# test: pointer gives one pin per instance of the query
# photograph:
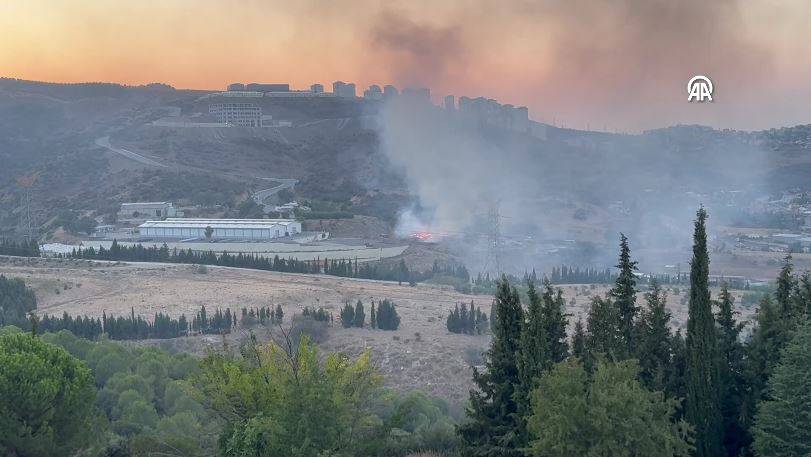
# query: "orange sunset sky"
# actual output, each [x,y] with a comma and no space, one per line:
[619,65]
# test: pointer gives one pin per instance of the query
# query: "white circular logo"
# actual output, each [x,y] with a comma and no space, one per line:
[699,89]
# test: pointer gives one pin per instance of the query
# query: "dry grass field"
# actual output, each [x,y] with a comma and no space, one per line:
[421,354]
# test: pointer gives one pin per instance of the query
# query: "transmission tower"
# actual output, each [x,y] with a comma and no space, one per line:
[26,182]
[494,242]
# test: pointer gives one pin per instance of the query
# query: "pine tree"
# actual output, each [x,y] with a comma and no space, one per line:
[703,384]
[493,426]
[732,359]
[624,295]
[783,424]
[602,335]
[534,358]
[769,336]
[554,321]
[654,340]
[786,283]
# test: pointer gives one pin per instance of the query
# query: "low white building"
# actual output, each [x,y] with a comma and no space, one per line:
[231,229]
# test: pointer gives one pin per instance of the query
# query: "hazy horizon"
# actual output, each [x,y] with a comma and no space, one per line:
[602,65]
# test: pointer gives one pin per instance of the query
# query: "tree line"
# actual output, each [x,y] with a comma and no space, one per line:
[383,317]
[335,267]
[575,275]
[624,384]
[19,248]
[470,320]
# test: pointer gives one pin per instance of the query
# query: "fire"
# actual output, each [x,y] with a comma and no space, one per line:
[423,236]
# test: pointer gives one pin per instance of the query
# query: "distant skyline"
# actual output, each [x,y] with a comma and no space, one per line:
[620,65]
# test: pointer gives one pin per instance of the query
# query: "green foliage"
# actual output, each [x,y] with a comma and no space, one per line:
[736,435]
[19,248]
[554,322]
[144,403]
[703,383]
[470,320]
[654,342]
[284,402]
[602,325]
[359,319]
[607,414]
[16,301]
[624,295]
[535,356]
[348,315]
[387,317]
[46,396]
[493,427]
[783,424]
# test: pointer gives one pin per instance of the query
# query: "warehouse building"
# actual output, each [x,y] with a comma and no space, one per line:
[229,229]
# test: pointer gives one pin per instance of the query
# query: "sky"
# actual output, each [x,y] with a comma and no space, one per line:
[615,65]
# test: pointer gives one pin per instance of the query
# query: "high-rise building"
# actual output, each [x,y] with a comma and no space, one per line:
[257,87]
[450,103]
[390,91]
[373,93]
[342,89]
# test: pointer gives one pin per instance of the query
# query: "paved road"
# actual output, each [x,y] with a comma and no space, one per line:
[105,143]
[285,183]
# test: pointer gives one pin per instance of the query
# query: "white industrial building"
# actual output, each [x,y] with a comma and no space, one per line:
[231,229]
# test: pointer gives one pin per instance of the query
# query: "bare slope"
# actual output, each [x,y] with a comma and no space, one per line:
[421,354]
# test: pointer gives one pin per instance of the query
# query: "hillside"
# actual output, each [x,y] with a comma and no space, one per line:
[79,150]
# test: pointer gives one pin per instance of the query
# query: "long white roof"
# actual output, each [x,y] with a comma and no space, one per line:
[174,222]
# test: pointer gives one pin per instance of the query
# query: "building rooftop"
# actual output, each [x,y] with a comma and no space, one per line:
[146,203]
[218,223]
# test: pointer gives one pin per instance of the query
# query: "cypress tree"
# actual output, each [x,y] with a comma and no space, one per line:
[360,315]
[624,295]
[372,315]
[703,384]
[786,283]
[736,436]
[348,315]
[534,358]
[579,340]
[493,428]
